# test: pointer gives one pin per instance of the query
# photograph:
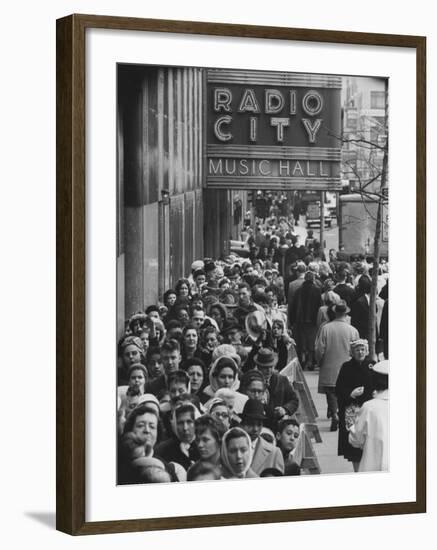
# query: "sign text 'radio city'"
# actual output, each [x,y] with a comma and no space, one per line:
[272,103]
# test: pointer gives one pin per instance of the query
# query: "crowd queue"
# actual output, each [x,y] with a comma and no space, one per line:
[200,390]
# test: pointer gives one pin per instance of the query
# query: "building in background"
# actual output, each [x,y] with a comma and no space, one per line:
[364,137]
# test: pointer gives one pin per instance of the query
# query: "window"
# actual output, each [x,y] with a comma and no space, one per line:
[377,100]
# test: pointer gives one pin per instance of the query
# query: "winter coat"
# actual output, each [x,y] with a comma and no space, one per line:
[281,394]
[306,303]
[266,456]
[352,375]
[370,433]
[333,349]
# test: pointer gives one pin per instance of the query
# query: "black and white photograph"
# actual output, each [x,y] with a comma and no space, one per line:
[252,274]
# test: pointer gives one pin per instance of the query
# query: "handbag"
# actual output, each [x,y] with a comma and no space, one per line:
[350,414]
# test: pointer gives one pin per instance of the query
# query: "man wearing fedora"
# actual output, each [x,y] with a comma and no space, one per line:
[282,399]
[332,350]
[265,454]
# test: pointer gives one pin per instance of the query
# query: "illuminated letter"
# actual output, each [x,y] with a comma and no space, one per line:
[297,166]
[248,102]
[227,171]
[279,123]
[321,169]
[217,128]
[308,169]
[243,165]
[284,165]
[274,102]
[222,100]
[292,102]
[261,171]
[253,128]
[312,127]
[215,169]
[312,103]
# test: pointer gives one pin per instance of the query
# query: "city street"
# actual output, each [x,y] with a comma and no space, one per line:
[326,451]
[330,235]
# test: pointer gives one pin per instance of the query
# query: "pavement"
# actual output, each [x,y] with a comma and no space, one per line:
[330,235]
[330,462]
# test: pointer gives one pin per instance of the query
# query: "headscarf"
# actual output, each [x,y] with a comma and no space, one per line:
[214,402]
[227,350]
[231,363]
[224,451]
[173,420]
[150,399]
[132,341]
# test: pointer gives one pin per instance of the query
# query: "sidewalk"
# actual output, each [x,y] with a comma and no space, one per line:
[330,462]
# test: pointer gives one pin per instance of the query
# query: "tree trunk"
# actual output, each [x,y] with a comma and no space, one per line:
[374,287]
[377,245]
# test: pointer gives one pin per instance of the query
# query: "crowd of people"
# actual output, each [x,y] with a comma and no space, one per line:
[200,390]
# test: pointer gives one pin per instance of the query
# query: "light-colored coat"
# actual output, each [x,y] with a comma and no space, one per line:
[333,349]
[370,433]
[266,456]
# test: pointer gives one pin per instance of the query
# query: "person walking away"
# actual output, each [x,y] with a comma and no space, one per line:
[305,307]
[332,350]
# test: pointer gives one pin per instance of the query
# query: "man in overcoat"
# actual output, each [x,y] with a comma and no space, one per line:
[332,350]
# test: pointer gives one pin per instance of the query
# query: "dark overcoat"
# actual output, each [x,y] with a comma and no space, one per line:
[352,375]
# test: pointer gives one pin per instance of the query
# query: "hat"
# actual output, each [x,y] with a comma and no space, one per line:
[197,264]
[248,377]
[230,325]
[138,366]
[255,322]
[227,297]
[381,367]
[341,307]
[218,306]
[253,409]
[266,358]
[359,342]
[149,399]
[209,266]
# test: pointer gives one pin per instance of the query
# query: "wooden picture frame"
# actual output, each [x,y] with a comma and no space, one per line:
[71,279]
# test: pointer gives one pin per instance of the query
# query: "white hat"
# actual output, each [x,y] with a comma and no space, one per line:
[381,367]
[197,264]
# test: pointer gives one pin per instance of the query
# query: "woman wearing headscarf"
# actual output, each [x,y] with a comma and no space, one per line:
[128,403]
[353,388]
[140,435]
[224,374]
[131,351]
[237,454]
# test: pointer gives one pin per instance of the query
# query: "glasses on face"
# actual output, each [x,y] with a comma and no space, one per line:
[221,414]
